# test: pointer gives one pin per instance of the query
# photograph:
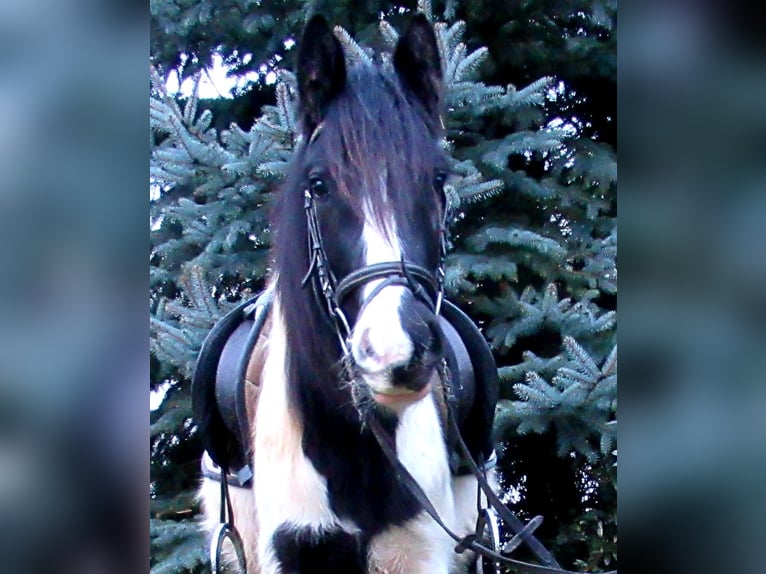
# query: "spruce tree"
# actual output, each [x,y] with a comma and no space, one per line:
[530,132]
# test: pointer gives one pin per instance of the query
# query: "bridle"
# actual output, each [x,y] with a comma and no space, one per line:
[428,287]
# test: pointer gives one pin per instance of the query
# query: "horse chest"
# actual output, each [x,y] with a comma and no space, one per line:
[325,493]
[361,484]
[418,545]
[347,486]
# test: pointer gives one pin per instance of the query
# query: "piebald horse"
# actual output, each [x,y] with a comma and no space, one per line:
[369,172]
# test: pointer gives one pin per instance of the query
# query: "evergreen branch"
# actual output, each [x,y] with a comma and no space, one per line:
[511,237]
[610,364]
[482,266]
[353,51]
[519,143]
[176,546]
[453,60]
[190,109]
[467,100]
[469,65]
[285,107]
[444,48]
[171,409]
[550,301]
[424,6]
[532,94]
[451,35]
[389,34]
[196,286]
[202,124]
[531,362]
[580,395]
[475,192]
[450,9]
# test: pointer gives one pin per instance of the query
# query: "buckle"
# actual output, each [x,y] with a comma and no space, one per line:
[241,479]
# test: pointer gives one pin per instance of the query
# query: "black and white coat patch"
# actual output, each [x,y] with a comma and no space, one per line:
[359,524]
[297,520]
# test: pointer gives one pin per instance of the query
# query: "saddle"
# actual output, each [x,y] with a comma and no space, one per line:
[218,390]
[470,394]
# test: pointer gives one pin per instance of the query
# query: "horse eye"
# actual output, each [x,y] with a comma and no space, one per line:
[318,186]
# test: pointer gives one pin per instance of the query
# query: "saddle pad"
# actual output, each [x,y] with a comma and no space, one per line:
[475,394]
[218,401]
[218,389]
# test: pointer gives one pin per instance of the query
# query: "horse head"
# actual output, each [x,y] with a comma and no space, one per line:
[374,172]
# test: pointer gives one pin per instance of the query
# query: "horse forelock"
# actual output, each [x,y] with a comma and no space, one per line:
[378,145]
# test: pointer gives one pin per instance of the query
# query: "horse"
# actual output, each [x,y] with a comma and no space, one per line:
[352,336]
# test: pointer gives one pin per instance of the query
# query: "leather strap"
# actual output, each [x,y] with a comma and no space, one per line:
[359,277]
[326,286]
[218,395]
[469,542]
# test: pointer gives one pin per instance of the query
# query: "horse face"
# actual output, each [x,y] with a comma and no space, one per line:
[375,167]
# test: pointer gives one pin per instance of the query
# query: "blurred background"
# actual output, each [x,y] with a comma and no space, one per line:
[692,306]
[73,244]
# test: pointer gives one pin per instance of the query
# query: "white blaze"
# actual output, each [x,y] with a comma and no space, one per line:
[379,340]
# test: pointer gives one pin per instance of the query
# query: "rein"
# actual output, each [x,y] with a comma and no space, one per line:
[522,533]
[428,288]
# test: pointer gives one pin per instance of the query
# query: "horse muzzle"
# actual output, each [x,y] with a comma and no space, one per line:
[397,348]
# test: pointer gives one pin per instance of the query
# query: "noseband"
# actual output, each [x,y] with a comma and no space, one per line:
[426,286]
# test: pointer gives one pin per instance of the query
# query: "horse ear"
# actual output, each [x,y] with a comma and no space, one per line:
[416,61]
[321,71]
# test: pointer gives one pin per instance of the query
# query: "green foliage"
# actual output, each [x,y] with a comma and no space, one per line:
[595,529]
[529,130]
[177,546]
[580,402]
